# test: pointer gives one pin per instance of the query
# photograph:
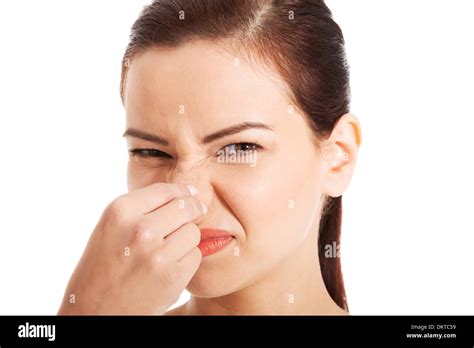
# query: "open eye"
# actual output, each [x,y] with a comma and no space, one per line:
[149,153]
[243,146]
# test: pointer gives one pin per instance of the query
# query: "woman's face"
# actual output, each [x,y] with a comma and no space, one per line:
[270,201]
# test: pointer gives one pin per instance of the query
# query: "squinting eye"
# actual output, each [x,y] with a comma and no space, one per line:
[246,147]
[147,153]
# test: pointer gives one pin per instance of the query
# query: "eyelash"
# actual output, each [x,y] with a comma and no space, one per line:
[153,153]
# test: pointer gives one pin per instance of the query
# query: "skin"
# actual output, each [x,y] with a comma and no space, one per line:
[273,207]
[125,268]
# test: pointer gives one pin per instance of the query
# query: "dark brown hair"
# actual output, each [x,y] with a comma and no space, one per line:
[297,37]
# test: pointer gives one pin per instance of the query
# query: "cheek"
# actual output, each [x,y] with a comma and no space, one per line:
[140,176]
[277,198]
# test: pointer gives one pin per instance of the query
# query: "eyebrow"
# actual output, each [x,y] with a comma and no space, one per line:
[207,139]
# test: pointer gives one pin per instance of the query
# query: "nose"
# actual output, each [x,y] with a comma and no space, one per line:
[188,170]
[192,171]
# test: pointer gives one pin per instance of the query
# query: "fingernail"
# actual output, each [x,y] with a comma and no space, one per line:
[192,190]
[204,208]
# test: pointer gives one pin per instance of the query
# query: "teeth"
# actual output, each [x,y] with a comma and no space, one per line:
[213,245]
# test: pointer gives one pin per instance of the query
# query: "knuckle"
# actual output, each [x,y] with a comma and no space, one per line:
[141,232]
[156,262]
[115,213]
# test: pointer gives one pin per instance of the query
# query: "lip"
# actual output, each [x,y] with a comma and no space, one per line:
[207,233]
[214,240]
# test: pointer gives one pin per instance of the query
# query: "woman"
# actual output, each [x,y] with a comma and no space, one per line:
[241,144]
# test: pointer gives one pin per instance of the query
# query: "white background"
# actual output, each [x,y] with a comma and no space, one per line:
[407,227]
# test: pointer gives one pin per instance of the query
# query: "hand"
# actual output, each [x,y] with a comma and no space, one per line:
[141,255]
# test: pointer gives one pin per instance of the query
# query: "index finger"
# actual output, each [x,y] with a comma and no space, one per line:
[146,199]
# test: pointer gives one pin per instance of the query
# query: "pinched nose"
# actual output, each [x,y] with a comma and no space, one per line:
[194,171]
[189,170]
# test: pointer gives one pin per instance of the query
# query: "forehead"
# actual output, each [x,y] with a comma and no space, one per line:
[206,80]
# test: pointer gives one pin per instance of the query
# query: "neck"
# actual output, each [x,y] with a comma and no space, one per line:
[294,287]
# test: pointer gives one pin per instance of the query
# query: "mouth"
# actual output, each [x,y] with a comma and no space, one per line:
[214,240]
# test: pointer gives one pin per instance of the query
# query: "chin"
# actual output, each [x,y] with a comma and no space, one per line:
[209,282]
[207,285]
[204,289]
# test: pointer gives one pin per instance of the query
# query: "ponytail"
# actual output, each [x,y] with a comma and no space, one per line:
[329,234]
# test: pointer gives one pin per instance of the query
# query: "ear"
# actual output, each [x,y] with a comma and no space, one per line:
[339,154]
